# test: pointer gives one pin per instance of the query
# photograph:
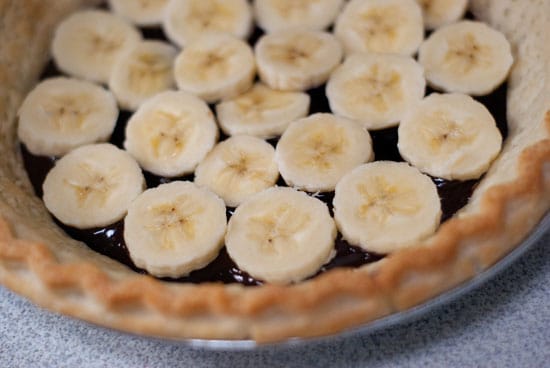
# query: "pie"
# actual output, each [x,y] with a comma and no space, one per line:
[41,262]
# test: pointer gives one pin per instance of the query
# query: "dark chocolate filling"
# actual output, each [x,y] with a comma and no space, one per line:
[109,240]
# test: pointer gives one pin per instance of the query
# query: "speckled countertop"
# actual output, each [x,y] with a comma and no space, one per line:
[504,323]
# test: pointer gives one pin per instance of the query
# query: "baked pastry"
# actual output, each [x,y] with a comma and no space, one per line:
[39,261]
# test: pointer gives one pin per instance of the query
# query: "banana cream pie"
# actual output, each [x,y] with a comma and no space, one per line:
[266,169]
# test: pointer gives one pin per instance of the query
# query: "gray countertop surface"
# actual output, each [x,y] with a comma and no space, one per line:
[503,323]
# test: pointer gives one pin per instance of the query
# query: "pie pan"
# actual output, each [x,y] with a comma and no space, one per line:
[38,261]
[402,317]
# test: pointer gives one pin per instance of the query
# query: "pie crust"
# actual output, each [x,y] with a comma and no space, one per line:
[38,261]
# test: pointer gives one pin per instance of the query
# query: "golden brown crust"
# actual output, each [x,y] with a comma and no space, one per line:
[38,261]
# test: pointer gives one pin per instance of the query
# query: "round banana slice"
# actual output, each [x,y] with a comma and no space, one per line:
[87,43]
[171,133]
[237,168]
[281,235]
[387,26]
[174,229]
[141,12]
[262,112]
[215,66]
[297,60]
[315,152]
[466,57]
[92,186]
[144,71]
[186,20]
[278,15]
[60,114]
[449,136]
[437,13]
[376,89]
[384,206]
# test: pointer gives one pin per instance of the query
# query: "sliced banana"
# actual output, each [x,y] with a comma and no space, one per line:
[92,186]
[87,43]
[171,133]
[60,114]
[449,136]
[315,152]
[262,112]
[437,13]
[142,72]
[186,20]
[467,57]
[384,206]
[297,60]
[376,89]
[237,168]
[140,12]
[387,26]
[174,229]
[281,235]
[278,15]
[215,66]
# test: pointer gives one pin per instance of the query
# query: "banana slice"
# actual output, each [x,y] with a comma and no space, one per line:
[237,168]
[171,133]
[467,57]
[297,60]
[376,89]
[387,26]
[92,186]
[174,229]
[385,206]
[281,235]
[437,13]
[314,153]
[141,12]
[87,43]
[450,136]
[215,66]
[278,15]
[60,114]
[186,20]
[262,112]
[144,71]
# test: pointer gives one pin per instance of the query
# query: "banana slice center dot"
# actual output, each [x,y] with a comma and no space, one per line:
[93,186]
[321,148]
[466,54]
[446,134]
[212,60]
[239,166]
[383,199]
[376,23]
[171,135]
[256,103]
[276,231]
[209,65]
[148,72]
[376,88]
[64,114]
[103,44]
[299,53]
[210,15]
[174,221]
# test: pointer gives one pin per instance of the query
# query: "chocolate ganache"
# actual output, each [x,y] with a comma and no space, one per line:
[109,240]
